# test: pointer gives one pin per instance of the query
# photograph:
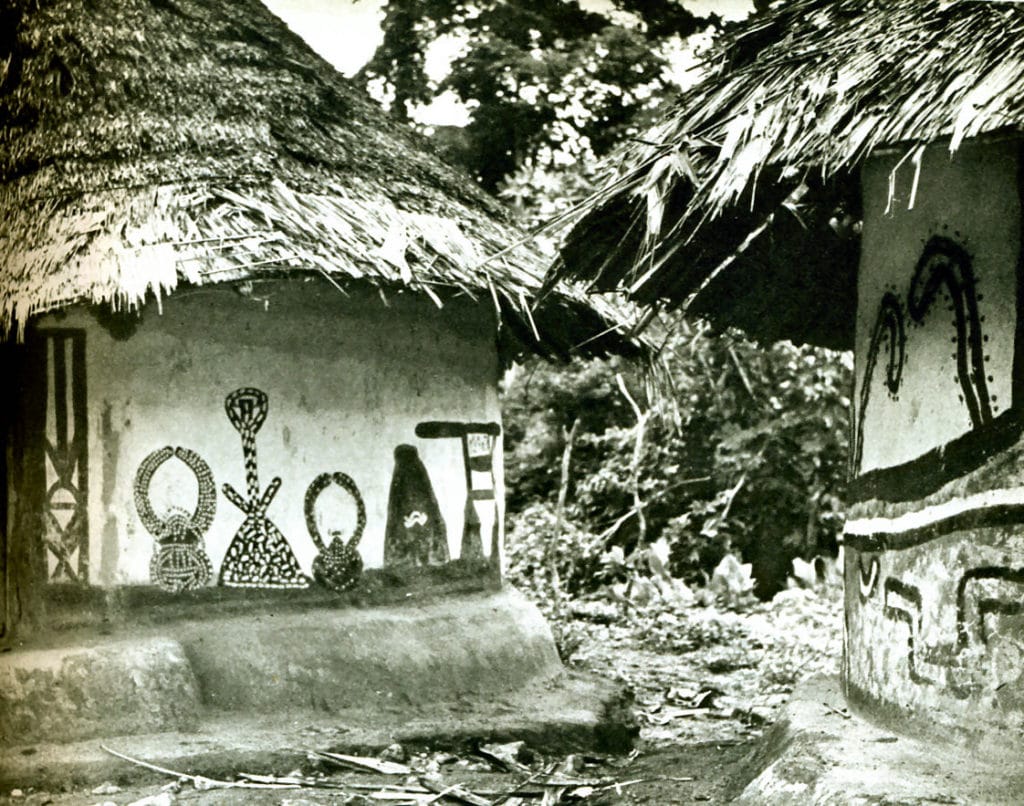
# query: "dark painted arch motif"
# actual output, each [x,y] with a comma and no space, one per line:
[889,328]
[415,532]
[946,266]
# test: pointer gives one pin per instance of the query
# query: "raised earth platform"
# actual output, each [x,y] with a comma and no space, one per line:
[205,694]
[818,753]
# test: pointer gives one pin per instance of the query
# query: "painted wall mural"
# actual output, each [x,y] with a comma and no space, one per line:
[258,556]
[943,268]
[936,373]
[180,561]
[339,563]
[934,540]
[961,657]
[415,533]
[324,384]
[477,440]
[65,443]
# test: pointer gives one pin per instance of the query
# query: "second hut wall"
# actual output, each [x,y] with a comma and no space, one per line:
[347,380]
[935,548]
[968,203]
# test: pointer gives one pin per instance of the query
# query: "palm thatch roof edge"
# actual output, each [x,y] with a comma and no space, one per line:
[155,143]
[743,204]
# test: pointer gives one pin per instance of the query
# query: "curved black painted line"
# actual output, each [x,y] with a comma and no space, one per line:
[1000,515]
[945,263]
[1017,382]
[985,606]
[913,621]
[888,324]
[924,475]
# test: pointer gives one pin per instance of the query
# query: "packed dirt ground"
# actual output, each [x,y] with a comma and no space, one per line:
[708,679]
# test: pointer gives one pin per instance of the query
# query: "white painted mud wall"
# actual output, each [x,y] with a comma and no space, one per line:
[972,200]
[348,379]
[935,522]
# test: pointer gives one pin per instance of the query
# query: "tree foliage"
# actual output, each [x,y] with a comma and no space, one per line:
[544,80]
[748,456]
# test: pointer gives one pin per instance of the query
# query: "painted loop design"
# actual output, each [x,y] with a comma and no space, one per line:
[944,264]
[868,577]
[247,409]
[181,562]
[339,564]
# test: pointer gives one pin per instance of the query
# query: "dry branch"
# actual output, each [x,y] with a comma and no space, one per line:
[199,781]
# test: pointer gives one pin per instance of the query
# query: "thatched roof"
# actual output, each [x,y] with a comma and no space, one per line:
[148,144]
[743,205]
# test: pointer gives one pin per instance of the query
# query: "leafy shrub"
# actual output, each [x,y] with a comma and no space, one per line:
[532,553]
[747,455]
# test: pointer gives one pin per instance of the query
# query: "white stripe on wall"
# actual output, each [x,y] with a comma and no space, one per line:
[932,514]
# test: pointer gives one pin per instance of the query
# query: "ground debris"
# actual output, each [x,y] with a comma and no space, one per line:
[367,763]
[505,757]
[394,752]
[161,799]
[707,672]
[358,779]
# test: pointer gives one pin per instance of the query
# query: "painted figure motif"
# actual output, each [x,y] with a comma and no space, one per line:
[339,564]
[259,556]
[889,327]
[415,533]
[180,562]
[477,450]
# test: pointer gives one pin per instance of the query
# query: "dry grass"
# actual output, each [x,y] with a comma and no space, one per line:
[150,143]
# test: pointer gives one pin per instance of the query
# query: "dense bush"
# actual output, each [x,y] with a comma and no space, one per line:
[746,454]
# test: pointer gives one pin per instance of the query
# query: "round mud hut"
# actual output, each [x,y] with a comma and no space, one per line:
[849,175]
[253,331]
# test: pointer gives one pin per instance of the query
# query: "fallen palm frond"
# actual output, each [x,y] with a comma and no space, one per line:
[199,781]
[151,145]
[362,763]
[553,784]
[701,212]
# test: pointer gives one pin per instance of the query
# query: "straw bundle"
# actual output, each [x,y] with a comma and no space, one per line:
[736,205]
[151,143]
